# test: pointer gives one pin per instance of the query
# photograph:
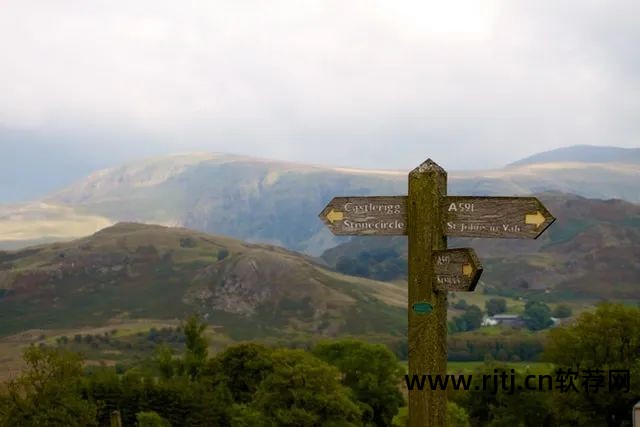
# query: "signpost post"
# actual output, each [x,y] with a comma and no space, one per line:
[427,216]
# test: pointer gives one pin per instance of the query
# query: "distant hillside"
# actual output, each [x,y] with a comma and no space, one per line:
[592,251]
[268,201]
[584,154]
[155,272]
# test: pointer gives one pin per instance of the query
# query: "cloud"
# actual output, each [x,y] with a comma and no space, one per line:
[373,83]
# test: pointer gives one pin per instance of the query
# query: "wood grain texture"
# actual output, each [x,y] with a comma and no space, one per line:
[427,332]
[366,216]
[500,217]
[450,273]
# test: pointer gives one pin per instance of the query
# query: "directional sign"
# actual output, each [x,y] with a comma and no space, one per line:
[376,215]
[506,217]
[427,215]
[456,269]
[464,216]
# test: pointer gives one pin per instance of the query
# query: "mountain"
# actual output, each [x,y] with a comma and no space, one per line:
[591,251]
[584,154]
[154,272]
[275,202]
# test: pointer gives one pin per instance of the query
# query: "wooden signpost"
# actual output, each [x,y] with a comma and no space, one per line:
[427,216]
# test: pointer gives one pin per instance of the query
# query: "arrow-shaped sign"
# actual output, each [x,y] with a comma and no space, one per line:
[456,269]
[376,215]
[506,217]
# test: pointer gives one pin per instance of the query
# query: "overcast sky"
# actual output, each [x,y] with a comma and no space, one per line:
[369,83]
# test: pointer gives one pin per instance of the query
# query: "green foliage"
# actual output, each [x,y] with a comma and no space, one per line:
[496,306]
[469,321]
[510,345]
[372,372]
[305,391]
[378,263]
[245,385]
[179,400]
[537,316]
[401,419]
[473,317]
[222,254]
[165,362]
[456,415]
[606,339]
[240,369]
[562,311]
[491,405]
[197,346]
[47,392]
[151,419]
[461,305]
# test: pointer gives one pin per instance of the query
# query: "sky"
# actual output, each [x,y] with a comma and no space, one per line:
[380,84]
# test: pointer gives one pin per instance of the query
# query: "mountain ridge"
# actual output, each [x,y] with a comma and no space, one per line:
[261,200]
[583,154]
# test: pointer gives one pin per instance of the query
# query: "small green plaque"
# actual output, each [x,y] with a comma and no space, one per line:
[422,308]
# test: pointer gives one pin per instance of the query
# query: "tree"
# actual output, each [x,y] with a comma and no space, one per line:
[241,369]
[303,390]
[197,345]
[222,254]
[372,371]
[537,316]
[151,419]
[164,361]
[47,392]
[401,419]
[461,305]
[456,415]
[472,317]
[493,405]
[562,311]
[495,306]
[607,339]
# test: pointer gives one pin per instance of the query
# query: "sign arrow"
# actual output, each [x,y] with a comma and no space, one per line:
[375,215]
[334,216]
[502,217]
[467,270]
[536,219]
[456,269]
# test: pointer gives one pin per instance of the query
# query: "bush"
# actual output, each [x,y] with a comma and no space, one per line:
[562,311]
[151,419]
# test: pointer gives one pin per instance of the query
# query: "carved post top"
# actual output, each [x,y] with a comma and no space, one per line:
[430,167]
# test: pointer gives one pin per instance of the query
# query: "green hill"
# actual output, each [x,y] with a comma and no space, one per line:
[154,272]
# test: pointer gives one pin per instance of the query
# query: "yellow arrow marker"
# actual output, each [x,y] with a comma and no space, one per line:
[536,219]
[467,270]
[333,216]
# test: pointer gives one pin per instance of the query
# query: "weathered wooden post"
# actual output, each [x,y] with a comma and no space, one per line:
[427,331]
